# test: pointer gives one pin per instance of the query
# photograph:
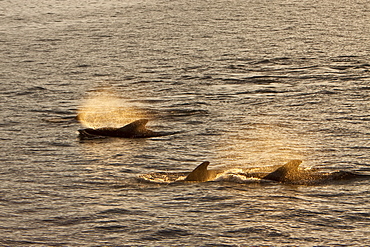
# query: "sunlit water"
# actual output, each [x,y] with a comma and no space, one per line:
[250,83]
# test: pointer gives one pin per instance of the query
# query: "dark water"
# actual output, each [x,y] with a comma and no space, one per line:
[251,83]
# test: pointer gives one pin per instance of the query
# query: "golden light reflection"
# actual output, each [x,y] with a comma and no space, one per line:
[261,145]
[104,108]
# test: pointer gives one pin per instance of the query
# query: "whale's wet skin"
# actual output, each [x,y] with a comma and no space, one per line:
[250,85]
[136,129]
[288,173]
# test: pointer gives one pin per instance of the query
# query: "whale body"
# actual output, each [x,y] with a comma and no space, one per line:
[289,173]
[135,129]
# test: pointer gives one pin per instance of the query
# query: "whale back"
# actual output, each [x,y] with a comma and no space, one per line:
[136,129]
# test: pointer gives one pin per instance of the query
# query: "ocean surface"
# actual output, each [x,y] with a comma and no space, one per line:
[247,83]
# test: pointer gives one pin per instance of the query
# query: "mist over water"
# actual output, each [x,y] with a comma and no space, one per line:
[104,108]
[249,83]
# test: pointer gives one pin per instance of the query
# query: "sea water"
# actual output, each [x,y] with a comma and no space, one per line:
[247,83]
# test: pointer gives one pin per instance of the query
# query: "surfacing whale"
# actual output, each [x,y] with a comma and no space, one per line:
[135,129]
[289,173]
[202,174]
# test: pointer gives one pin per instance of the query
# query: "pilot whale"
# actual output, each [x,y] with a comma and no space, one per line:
[289,173]
[136,129]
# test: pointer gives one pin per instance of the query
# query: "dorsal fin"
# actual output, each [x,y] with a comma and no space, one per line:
[134,127]
[137,124]
[289,171]
[292,165]
[199,174]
